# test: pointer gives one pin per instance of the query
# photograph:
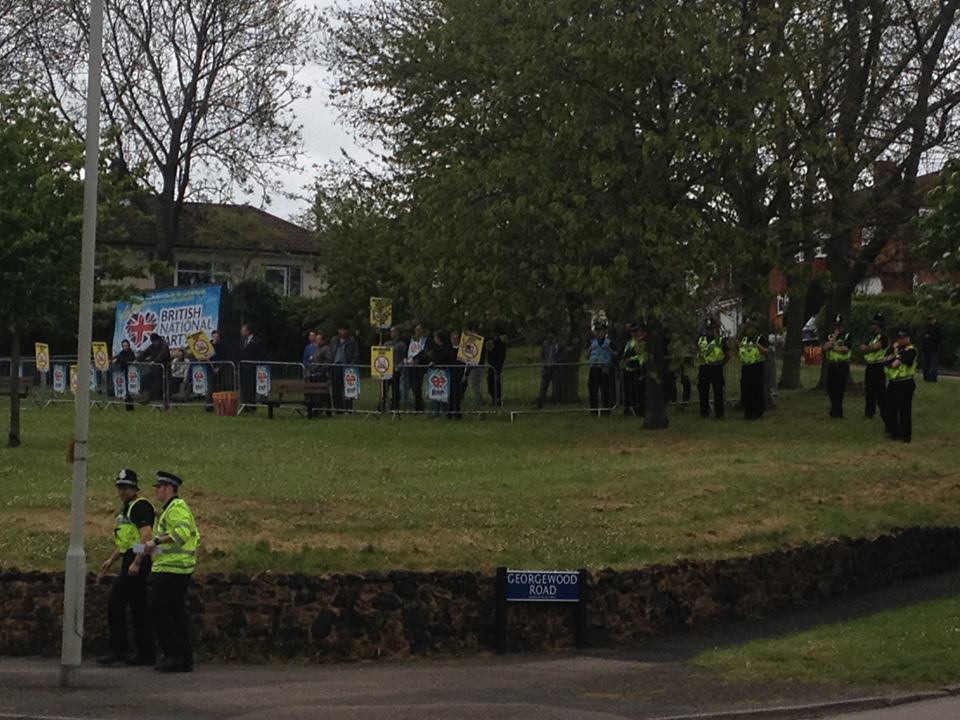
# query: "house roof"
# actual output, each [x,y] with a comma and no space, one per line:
[222,227]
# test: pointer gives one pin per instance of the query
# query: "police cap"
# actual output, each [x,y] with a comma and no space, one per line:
[903,332]
[127,478]
[878,319]
[166,478]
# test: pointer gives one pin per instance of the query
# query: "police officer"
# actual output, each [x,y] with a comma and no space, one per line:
[129,589]
[903,367]
[634,364]
[837,351]
[753,350]
[174,551]
[874,379]
[713,356]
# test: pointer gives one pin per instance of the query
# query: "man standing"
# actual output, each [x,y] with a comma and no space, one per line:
[457,370]
[634,371]
[399,349]
[754,347]
[837,351]
[129,589]
[251,352]
[551,353]
[345,350]
[174,551]
[496,359]
[415,365]
[310,348]
[713,356]
[930,344]
[156,357]
[874,380]
[600,360]
[903,367]
[121,363]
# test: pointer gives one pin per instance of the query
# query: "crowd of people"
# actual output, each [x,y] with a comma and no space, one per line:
[617,366]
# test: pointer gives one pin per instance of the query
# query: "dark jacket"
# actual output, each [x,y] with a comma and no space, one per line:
[351,350]
[156,352]
[251,349]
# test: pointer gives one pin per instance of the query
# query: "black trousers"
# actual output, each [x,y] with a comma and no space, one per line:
[751,390]
[631,391]
[458,388]
[549,377]
[168,608]
[837,374]
[900,394]
[416,385]
[130,591]
[598,386]
[711,376]
[394,385]
[874,385]
[495,385]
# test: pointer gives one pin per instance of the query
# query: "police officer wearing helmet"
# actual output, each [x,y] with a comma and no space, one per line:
[837,351]
[634,365]
[129,589]
[173,548]
[712,351]
[874,380]
[902,363]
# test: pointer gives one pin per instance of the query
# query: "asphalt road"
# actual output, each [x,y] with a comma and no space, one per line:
[945,709]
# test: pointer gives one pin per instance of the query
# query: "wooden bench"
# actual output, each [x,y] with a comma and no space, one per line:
[6,385]
[313,395]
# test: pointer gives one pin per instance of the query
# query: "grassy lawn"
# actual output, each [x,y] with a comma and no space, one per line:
[355,493]
[916,645]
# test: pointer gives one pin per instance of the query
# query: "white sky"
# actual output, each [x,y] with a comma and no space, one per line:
[323,137]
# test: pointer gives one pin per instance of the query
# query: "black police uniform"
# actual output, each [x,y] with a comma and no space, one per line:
[874,379]
[131,591]
[900,394]
[838,372]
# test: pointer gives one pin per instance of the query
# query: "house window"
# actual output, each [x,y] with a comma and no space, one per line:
[782,302]
[285,279]
[201,273]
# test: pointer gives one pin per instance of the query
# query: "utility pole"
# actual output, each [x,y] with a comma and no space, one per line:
[76,566]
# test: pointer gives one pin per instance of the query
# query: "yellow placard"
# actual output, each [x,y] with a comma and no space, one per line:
[471,346]
[73,379]
[41,353]
[200,345]
[101,356]
[381,312]
[381,362]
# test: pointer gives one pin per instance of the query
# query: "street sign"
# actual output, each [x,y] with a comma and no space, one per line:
[543,586]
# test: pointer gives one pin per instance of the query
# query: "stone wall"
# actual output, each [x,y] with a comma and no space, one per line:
[393,615]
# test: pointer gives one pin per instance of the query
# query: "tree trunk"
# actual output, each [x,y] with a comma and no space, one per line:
[793,349]
[168,217]
[655,408]
[14,437]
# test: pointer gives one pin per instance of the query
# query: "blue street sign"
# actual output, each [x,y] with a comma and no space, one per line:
[543,586]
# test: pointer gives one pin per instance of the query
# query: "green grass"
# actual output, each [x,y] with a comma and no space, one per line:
[356,493]
[916,645]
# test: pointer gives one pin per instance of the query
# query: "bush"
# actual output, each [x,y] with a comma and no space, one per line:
[909,311]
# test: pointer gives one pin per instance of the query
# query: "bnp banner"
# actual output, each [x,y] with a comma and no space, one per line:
[381,362]
[471,345]
[263,380]
[381,312]
[101,358]
[351,383]
[59,378]
[438,385]
[133,380]
[41,353]
[119,384]
[198,373]
[174,314]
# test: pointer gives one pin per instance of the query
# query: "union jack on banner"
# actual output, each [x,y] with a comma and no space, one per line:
[139,327]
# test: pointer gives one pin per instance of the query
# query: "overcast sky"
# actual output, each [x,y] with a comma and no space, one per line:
[323,136]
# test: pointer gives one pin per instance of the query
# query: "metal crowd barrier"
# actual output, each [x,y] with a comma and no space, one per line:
[196,381]
[259,381]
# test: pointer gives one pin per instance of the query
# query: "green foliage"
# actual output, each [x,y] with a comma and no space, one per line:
[909,311]
[940,230]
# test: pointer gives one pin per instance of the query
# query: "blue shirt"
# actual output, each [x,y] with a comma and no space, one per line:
[600,353]
[308,352]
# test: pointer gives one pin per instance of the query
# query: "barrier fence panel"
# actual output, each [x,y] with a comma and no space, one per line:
[263,383]
[561,387]
[195,382]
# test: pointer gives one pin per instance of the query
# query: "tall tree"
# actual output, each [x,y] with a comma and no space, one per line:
[555,157]
[199,92]
[41,205]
